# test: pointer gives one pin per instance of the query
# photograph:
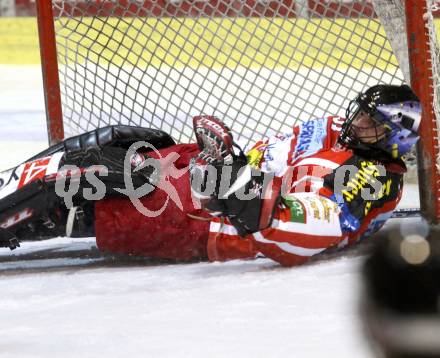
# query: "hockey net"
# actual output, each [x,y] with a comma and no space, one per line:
[260,65]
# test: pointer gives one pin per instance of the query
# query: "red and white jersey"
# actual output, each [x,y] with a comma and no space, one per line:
[331,195]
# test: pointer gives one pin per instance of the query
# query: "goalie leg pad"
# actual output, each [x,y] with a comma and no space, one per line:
[112,136]
[29,205]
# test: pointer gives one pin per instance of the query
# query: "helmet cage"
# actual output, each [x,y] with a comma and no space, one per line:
[355,107]
[397,109]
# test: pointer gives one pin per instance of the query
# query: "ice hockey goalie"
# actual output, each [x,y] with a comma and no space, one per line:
[326,184]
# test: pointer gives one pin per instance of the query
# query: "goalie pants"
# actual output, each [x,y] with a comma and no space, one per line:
[121,228]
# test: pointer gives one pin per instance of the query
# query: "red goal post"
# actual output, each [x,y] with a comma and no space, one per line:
[49,65]
[258,64]
[423,61]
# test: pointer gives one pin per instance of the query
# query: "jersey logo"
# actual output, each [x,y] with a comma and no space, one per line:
[255,155]
[297,210]
[310,138]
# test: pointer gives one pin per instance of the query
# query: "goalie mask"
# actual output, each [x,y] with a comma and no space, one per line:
[394,115]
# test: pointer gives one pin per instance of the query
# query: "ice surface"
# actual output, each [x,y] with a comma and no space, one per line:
[235,309]
[60,298]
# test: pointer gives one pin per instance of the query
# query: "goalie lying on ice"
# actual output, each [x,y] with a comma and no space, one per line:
[328,183]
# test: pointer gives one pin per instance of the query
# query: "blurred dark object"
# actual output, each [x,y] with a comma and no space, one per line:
[400,302]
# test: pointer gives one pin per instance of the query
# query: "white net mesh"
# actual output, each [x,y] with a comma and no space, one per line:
[434,35]
[259,65]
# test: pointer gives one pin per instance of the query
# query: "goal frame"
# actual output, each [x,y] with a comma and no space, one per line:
[421,82]
[49,66]
[420,66]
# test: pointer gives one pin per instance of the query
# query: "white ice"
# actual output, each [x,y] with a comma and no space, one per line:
[72,307]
